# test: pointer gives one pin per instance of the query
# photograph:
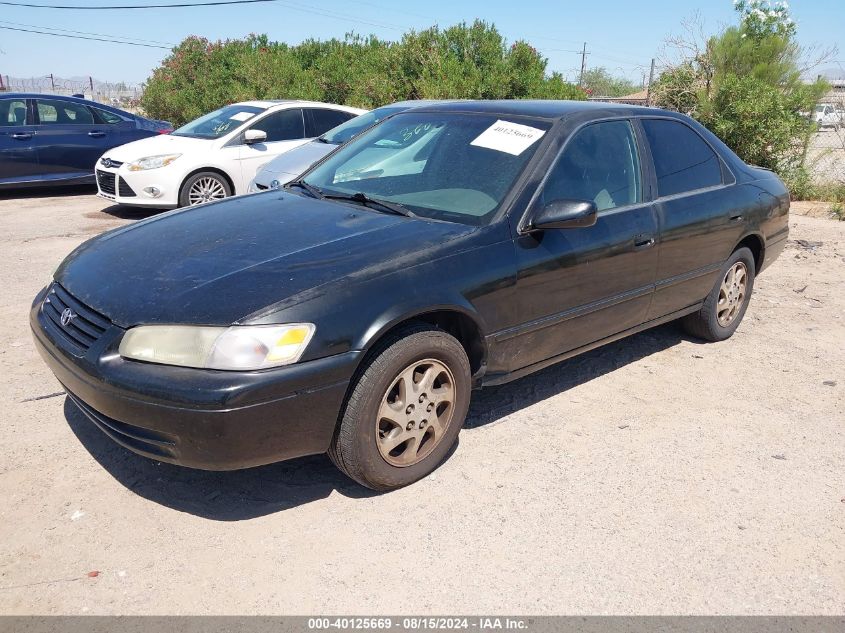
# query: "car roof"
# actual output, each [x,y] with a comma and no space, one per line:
[271,103]
[545,109]
[44,95]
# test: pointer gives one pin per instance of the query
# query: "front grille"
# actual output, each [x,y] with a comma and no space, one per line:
[124,189]
[145,441]
[105,181]
[83,326]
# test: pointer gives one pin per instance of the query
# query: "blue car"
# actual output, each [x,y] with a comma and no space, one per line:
[53,140]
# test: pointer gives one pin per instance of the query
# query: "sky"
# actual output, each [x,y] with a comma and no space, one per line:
[621,35]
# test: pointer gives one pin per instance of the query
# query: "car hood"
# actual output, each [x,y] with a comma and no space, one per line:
[219,263]
[293,163]
[155,145]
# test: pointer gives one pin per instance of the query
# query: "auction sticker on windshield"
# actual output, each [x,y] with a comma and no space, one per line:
[504,136]
[242,116]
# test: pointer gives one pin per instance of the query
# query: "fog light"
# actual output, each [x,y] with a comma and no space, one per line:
[152,192]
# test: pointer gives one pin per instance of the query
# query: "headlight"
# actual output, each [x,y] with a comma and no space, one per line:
[152,162]
[240,347]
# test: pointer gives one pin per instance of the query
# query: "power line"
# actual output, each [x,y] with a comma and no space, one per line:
[82,37]
[108,7]
[107,35]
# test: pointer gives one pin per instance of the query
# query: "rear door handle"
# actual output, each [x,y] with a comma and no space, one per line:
[736,218]
[22,136]
[96,134]
[643,241]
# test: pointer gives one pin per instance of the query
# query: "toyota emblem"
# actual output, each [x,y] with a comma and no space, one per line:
[67,316]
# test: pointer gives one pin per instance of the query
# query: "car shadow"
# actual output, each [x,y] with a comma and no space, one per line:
[48,191]
[255,492]
[125,212]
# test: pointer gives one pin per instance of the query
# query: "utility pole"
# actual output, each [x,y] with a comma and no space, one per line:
[52,83]
[91,83]
[650,80]
[583,65]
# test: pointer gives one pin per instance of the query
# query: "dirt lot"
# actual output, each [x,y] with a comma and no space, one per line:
[656,475]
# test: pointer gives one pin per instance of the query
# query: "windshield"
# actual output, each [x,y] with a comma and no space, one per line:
[446,166]
[353,127]
[216,124]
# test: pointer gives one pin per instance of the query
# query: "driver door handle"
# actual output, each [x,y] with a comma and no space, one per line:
[96,134]
[22,136]
[643,241]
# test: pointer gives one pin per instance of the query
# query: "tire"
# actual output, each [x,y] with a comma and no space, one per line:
[206,185]
[378,414]
[717,321]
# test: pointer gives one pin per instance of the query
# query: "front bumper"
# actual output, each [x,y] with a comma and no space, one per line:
[207,419]
[131,188]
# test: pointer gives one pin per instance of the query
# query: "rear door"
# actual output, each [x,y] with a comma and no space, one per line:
[69,139]
[285,130]
[699,222]
[18,158]
[318,121]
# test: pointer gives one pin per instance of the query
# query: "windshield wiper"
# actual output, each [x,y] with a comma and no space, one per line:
[373,203]
[311,189]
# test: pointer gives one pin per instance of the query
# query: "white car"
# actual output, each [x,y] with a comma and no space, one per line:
[289,165]
[829,115]
[214,156]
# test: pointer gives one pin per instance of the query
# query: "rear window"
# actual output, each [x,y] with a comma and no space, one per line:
[56,111]
[321,120]
[683,161]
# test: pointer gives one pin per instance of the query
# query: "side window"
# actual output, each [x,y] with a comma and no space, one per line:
[321,120]
[682,160]
[600,164]
[12,112]
[106,117]
[284,125]
[55,111]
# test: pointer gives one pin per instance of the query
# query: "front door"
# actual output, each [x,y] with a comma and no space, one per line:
[577,286]
[285,130]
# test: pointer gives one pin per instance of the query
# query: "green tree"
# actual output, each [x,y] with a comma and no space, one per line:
[465,61]
[600,83]
[745,85]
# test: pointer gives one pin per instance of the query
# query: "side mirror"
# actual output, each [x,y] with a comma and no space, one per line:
[565,214]
[254,136]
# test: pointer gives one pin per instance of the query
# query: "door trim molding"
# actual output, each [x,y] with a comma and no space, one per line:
[559,317]
[501,378]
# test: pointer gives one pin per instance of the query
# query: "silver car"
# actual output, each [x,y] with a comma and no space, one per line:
[289,165]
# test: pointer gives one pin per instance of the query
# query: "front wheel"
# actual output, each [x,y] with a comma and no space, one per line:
[405,410]
[206,186]
[722,311]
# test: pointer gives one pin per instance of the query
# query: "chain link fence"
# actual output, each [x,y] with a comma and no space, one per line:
[121,94]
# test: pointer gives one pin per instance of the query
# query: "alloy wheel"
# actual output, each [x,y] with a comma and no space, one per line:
[206,189]
[732,293]
[415,412]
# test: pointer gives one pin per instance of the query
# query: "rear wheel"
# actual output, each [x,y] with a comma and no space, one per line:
[206,186]
[725,306]
[405,409]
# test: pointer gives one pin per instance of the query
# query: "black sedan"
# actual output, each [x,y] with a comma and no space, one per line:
[450,247]
[53,140]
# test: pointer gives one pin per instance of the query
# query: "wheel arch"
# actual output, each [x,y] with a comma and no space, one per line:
[461,322]
[757,245]
[210,168]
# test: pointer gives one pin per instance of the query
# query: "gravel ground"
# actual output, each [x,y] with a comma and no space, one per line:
[656,475]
